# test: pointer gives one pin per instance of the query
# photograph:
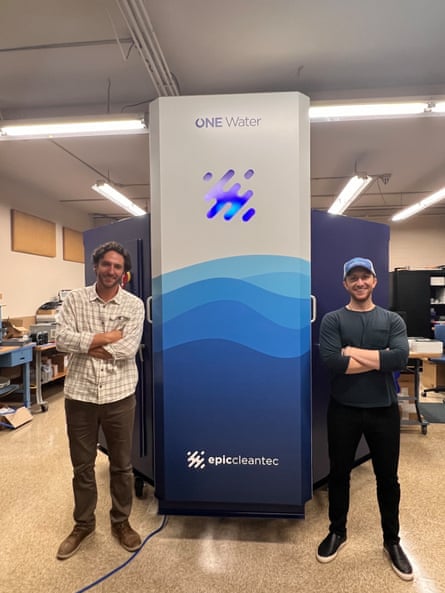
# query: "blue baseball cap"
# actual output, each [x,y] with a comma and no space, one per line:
[358,262]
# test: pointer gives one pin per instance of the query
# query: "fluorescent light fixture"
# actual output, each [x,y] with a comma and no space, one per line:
[122,123]
[109,192]
[438,107]
[367,111]
[415,208]
[349,193]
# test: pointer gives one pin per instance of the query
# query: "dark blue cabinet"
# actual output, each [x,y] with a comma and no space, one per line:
[335,239]
[134,235]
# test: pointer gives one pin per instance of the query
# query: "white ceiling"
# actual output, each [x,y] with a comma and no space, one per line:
[62,57]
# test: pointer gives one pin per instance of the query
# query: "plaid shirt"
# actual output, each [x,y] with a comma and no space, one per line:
[84,314]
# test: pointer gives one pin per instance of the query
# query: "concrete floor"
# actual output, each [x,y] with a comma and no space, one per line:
[210,555]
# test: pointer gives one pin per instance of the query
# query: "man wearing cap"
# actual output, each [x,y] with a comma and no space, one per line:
[362,345]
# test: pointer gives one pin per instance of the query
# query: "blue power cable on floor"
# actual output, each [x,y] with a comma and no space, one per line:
[123,565]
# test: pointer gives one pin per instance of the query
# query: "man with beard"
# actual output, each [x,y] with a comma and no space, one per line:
[100,326]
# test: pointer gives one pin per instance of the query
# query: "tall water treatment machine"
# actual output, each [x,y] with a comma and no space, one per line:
[230,214]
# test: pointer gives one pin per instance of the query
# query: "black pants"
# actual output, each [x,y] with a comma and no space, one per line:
[381,428]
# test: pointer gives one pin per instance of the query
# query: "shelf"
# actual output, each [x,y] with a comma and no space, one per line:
[48,350]
[4,391]
[57,376]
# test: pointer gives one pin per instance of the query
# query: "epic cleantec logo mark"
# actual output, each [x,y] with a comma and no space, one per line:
[199,460]
[196,459]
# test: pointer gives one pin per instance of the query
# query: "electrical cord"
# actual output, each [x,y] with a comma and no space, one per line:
[124,564]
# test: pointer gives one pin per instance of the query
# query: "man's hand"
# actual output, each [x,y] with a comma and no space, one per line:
[114,335]
[361,359]
[100,352]
[104,339]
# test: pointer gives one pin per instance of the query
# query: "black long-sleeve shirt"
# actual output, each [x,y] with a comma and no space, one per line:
[377,329]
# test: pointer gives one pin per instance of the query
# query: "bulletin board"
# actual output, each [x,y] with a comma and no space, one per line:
[31,234]
[73,246]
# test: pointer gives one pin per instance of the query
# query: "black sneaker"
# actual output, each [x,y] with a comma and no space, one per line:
[399,561]
[330,546]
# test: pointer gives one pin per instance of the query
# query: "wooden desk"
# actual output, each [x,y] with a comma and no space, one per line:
[12,356]
[423,355]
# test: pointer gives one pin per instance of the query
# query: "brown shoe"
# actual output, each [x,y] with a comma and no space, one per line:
[127,537]
[71,544]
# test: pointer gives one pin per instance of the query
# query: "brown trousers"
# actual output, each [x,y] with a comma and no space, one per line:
[83,422]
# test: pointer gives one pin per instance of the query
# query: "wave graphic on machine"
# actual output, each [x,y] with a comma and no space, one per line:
[235,333]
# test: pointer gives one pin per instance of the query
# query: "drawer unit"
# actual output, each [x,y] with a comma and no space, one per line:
[16,357]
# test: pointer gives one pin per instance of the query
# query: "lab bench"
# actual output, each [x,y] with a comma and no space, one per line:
[12,356]
[414,368]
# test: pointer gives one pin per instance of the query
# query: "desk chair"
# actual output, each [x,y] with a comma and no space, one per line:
[439,334]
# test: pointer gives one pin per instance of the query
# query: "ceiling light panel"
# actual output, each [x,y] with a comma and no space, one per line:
[115,196]
[76,126]
[438,196]
[355,186]
[323,113]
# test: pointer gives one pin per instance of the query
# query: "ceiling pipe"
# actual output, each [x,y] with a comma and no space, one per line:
[145,40]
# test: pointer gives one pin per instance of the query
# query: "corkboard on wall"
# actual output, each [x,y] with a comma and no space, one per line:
[30,234]
[73,246]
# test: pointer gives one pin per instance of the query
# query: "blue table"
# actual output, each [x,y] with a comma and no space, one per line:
[12,356]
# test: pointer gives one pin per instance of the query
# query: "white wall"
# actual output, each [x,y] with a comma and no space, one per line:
[418,242]
[28,281]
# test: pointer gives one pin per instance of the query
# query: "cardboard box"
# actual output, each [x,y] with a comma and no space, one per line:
[432,374]
[427,346]
[59,360]
[406,384]
[14,331]
[19,417]
[407,409]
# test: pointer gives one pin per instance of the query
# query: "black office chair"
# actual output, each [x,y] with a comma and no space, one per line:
[439,334]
